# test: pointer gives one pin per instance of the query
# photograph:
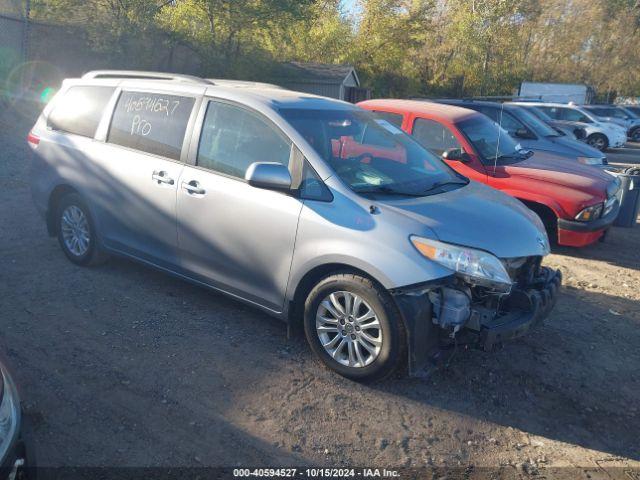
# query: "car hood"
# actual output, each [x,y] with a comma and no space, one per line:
[563,171]
[611,127]
[480,217]
[581,148]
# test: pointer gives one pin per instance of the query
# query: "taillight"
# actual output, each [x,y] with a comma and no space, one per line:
[33,139]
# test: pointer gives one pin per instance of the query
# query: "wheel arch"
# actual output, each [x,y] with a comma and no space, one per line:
[310,279]
[54,198]
[547,214]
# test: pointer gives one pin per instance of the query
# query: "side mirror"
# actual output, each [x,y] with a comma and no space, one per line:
[268,175]
[457,154]
[524,133]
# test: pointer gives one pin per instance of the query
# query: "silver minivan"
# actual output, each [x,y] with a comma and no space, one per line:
[309,208]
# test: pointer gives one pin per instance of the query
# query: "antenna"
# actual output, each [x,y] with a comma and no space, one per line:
[495,158]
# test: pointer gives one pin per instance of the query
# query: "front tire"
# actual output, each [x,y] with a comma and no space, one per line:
[76,231]
[354,327]
[599,141]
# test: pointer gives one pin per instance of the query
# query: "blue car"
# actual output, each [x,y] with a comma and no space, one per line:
[532,133]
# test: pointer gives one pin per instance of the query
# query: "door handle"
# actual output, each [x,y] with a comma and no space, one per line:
[193,187]
[162,177]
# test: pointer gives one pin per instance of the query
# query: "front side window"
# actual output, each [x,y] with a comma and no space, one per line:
[608,112]
[369,154]
[80,109]
[574,115]
[151,122]
[434,136]
[233,138]
[490,141]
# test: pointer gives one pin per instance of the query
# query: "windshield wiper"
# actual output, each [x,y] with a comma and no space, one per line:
[386,190]
[445,183]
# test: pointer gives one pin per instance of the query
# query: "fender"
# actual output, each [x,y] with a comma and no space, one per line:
[537,198]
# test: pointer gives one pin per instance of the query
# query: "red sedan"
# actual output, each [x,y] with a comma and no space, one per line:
[577,202]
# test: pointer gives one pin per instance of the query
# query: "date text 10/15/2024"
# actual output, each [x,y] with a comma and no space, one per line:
[316,472]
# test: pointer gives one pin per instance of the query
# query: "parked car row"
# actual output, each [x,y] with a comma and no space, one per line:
[533,133]
[606,126]
[576,202]
[391,237]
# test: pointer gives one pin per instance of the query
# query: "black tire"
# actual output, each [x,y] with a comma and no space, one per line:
[599,141]
[392,351]
[635,134]
[93,254]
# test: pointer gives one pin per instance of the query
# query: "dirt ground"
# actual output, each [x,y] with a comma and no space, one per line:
[123,365]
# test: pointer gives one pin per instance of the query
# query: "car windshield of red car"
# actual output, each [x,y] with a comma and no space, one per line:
[489,140]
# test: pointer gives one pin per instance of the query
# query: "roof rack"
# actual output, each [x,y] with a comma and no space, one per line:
[223,82]
[176,77]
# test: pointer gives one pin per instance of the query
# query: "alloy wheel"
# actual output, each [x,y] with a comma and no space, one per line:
[75,230]
[349,329]
[597,142]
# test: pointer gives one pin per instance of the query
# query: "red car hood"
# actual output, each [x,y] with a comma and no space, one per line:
[561,171]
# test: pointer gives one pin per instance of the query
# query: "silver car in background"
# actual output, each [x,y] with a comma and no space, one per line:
[619,116]
[606,134]
[308,208]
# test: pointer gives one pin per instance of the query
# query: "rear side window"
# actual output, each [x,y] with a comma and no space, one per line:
[392,118]
[553,112]
[79,110]
[434,136]
[151,122]
[233,138]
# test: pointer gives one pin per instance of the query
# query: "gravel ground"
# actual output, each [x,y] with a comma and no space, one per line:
[123,365]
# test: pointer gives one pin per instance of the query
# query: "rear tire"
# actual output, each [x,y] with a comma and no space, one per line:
[76,231]
[599,141]
[354,327]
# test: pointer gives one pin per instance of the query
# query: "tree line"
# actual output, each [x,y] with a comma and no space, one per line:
[399,47]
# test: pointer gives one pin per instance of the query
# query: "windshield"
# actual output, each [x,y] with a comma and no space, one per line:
[489,139]
[634,109]
[630,112]
[608,112]
[538,126]
[541,114]
[370,154]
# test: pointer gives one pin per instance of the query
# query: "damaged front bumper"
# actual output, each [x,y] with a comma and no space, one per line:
[524,309]
[444,315]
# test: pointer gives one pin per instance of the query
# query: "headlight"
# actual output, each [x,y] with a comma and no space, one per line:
[9,414]
[590,213]
[590,160]
[475,266]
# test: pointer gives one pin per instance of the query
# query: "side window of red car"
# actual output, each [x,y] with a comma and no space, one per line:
[434,136]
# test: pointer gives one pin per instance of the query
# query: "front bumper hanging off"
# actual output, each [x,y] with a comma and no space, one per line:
[527,308]
[485,327]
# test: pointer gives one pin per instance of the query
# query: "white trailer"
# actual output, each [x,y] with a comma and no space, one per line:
[557,92]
